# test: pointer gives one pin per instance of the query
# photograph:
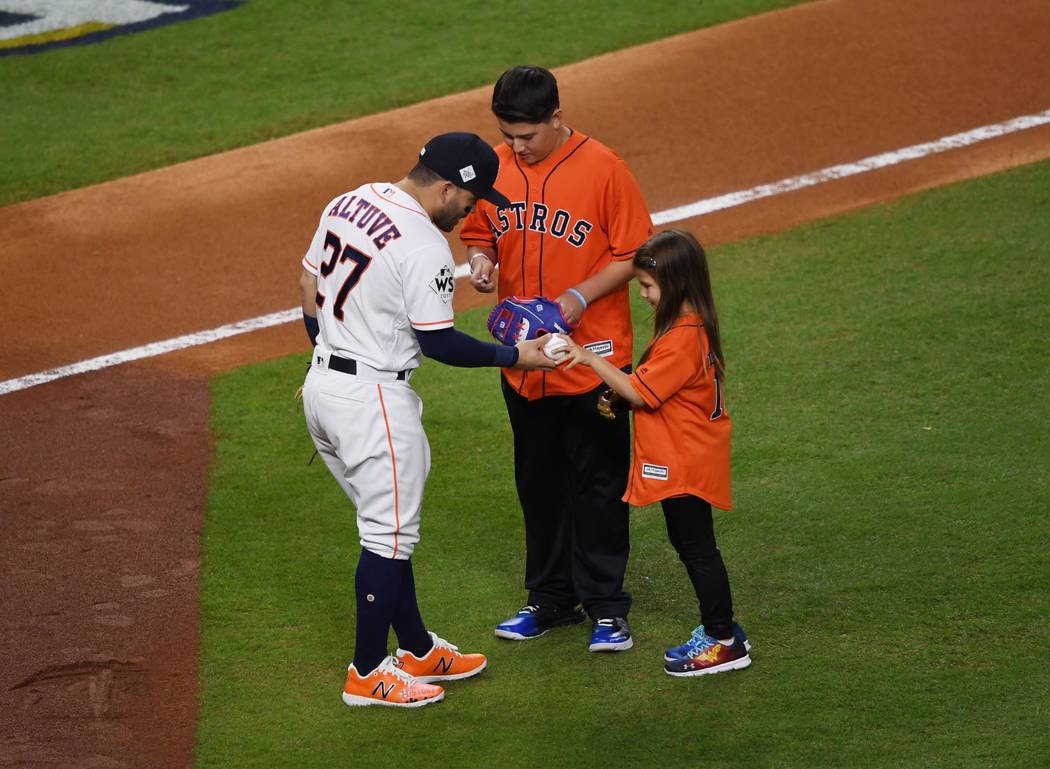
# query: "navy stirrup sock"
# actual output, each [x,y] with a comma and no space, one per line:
[378,583]
[412,634]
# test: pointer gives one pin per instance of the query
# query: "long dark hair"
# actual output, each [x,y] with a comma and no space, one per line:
[678,264]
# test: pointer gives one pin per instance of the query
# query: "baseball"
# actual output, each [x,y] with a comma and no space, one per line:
[555,347]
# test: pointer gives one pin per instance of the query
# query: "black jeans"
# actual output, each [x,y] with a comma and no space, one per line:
[691,529]
[570,468]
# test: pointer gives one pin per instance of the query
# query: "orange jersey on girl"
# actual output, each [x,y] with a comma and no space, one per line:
[571,214]
[681,434]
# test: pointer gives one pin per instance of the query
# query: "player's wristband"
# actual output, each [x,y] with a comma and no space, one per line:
[578,295]
[313,328]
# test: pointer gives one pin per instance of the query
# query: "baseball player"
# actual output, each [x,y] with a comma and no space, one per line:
[575,218]
[376,288]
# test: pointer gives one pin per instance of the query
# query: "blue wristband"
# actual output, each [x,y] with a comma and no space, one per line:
[578,295]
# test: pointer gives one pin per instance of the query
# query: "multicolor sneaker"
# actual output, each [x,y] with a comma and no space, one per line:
[533,621]
[710,656]
[389,685]
[681,652]
[444,662]
[611,634]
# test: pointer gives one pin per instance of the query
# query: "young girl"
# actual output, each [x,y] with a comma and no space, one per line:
[681,436]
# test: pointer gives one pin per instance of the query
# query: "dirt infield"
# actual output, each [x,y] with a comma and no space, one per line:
[104,475]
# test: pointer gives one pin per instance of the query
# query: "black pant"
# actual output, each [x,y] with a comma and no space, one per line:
[691,529]
[570,467]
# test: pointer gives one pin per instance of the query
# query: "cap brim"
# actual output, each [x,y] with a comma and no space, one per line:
[495,197]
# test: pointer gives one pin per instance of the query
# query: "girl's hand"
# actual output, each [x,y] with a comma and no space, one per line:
[574,353]
[619,382]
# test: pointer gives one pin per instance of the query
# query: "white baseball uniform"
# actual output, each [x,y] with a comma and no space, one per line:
[383,269]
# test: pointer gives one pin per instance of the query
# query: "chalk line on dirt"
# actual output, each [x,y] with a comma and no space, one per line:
[676,214]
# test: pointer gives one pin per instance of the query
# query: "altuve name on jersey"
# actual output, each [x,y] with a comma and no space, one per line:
[542,221]
[368,217]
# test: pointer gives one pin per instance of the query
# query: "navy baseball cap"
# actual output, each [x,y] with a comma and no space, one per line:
[466,160]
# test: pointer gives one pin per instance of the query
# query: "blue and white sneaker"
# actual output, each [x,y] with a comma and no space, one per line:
[533,621]
[696,641]
[611,634]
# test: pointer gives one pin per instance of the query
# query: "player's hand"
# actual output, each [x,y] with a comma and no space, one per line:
[574,354]
[531,355]
[571,308]
[481,269]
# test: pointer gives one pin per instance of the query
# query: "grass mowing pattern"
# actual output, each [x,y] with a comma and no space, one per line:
[887,378]
[77,116]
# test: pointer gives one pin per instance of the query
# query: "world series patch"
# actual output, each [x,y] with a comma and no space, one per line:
[656,472]
[444,283]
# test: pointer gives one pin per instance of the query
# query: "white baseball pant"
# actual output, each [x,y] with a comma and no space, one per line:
[368,428]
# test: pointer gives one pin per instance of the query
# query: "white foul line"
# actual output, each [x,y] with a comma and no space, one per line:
[152,349]
[688,211]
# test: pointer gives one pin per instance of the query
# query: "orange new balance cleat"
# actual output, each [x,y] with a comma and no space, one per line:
[389,685]
[444,662]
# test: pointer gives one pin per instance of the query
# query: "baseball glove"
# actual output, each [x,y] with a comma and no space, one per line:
[518,318]
[611,403]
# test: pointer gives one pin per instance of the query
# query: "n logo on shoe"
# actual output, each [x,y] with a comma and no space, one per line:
[385,692]
[444,664]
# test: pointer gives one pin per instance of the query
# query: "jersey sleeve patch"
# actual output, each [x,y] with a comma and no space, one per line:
[444,284]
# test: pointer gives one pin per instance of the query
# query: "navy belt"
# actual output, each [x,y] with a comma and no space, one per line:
[349,366]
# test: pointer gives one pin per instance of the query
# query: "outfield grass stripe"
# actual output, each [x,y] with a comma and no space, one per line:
[679,213]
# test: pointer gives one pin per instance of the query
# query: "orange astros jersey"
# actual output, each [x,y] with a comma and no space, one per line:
[571,214]
[681,435]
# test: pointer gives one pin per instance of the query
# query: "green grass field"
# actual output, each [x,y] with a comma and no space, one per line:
[269,68]
[888,552]
[887,381]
